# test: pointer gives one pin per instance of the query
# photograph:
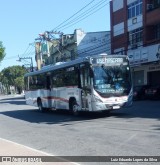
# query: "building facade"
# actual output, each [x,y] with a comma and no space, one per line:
[135,31]
[92,43]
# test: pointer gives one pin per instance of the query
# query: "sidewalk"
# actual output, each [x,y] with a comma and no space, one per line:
[10,149]
[2,96]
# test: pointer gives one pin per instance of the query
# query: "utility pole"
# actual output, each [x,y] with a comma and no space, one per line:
[38,55]
[27,58]
[48,36]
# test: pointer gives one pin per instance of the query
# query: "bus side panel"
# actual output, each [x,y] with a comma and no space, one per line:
[53,97]
[31,97]
[75,92]
[45,96]
[61,98]
[63,95]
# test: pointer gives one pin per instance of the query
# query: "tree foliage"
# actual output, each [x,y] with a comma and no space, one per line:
[2,51]
[19,83]
[13,76]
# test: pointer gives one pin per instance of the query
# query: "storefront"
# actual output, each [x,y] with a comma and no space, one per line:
[145,64]
[153,75]
[146,74]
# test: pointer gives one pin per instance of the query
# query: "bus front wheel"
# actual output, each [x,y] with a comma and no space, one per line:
[74,108]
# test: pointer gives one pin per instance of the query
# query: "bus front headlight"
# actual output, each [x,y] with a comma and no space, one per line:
[97,99]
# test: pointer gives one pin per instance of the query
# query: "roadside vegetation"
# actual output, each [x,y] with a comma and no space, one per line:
[12,79]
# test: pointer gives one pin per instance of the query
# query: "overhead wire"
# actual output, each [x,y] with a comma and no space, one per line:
[9,58]
[84,14]
[26,50]
[29,49]
[84,17]
[73,15]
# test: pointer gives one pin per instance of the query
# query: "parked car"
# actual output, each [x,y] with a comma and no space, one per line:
[153,92]
[139,92]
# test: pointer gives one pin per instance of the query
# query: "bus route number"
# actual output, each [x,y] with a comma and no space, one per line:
[101,60]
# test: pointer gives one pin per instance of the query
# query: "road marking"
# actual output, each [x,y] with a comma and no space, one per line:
[45,153]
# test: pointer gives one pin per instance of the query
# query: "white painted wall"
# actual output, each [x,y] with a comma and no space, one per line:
[119,50]
[117,4]
[93,42]
[135,23]
[118,29]
[144,54]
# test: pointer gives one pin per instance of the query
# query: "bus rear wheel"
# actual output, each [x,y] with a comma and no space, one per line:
[40,106]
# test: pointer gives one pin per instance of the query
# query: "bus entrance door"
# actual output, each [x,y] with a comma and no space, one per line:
[86,88]
[48,85]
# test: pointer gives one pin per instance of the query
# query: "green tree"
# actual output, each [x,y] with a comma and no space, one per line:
[2,51]
[4,83]
[13,76]
[19,83]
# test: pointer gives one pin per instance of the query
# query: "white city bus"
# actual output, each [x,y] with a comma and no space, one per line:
[95,83]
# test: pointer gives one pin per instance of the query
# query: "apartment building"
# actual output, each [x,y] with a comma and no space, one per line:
[135,31]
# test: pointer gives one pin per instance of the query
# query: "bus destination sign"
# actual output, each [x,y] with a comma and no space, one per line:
[104,60]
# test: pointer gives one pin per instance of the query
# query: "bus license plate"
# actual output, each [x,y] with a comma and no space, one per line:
[116,107]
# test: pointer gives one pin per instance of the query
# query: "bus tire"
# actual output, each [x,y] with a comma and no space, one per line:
[40,106]
[74,107]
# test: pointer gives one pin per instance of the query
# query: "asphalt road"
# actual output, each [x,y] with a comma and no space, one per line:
[127,132]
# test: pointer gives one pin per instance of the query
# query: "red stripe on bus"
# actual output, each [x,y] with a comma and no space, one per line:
[56,98]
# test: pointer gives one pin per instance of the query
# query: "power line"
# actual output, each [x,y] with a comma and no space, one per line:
[85,13]
[9,58]
[28,58]
[14,57]
[84,17]
[73,15]
[26,50]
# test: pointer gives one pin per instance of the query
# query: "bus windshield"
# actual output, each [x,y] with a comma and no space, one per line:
[112,80]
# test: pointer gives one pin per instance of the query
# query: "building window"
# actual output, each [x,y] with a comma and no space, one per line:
[135,9]
[135,36]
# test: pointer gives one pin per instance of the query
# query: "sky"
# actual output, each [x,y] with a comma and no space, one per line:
[23,20]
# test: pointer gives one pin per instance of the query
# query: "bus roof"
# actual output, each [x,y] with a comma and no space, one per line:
[67,64]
